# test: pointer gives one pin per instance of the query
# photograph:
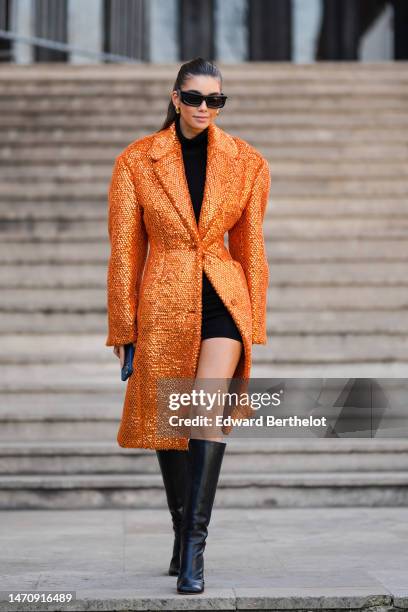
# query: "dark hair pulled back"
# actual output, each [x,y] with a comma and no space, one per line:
[196,66]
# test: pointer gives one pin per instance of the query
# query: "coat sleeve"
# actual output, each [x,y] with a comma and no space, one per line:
[246,245]
[128,248]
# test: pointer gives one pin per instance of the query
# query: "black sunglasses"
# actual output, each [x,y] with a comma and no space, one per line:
[195,99]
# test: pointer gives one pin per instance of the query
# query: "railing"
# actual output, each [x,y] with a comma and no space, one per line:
[59,46]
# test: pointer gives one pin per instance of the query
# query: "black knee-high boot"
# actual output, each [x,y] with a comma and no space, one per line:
[205,463]
[175,472]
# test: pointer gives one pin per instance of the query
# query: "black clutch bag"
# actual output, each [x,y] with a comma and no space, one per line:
[128,364]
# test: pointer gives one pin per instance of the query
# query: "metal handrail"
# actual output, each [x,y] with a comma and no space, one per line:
[59,46]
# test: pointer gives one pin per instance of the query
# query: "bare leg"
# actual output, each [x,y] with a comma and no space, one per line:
[217,360]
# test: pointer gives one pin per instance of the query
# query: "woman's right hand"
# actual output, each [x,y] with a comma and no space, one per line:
[119,351]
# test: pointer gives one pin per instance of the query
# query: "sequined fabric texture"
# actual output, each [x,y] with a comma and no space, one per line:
[158,253]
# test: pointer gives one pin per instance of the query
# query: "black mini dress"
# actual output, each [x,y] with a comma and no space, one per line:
[216,319]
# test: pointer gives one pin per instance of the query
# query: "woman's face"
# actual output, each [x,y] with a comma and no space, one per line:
[197,118]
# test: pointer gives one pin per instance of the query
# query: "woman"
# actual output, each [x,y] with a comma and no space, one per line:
[192,307]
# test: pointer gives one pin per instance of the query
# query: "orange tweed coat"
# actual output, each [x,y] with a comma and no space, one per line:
[157,255]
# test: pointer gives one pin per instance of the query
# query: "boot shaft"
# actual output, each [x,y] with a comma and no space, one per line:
[206,458]
[174,467]
[205,464]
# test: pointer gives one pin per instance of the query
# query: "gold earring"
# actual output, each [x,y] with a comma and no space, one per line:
[177,110]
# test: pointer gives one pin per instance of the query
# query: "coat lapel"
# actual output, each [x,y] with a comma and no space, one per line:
[168,166]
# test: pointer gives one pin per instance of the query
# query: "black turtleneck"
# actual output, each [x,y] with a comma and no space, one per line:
[195,162]
[216,320]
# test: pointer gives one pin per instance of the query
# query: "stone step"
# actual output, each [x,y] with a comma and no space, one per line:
[363,105]
[81,363]
[357,227]
[112,118]
[92,150]
[279,207]
[104,379]
[39,276]
[43,411]
[278,250]
[106,85]
[243,456]
[261,134]
[344,368]
[88,351]
[320,322]
[124,593]
[80,230]
[88,365]
[62,171]
[345,249]
[265,140]
[260,490]
[282,298]
[279,144]
[295,559]
[73,387]
[247,126]
[332,186]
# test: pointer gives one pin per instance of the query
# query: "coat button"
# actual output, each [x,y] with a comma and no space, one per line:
[233,302]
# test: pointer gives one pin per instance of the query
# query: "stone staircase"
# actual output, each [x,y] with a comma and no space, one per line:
[337,237]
